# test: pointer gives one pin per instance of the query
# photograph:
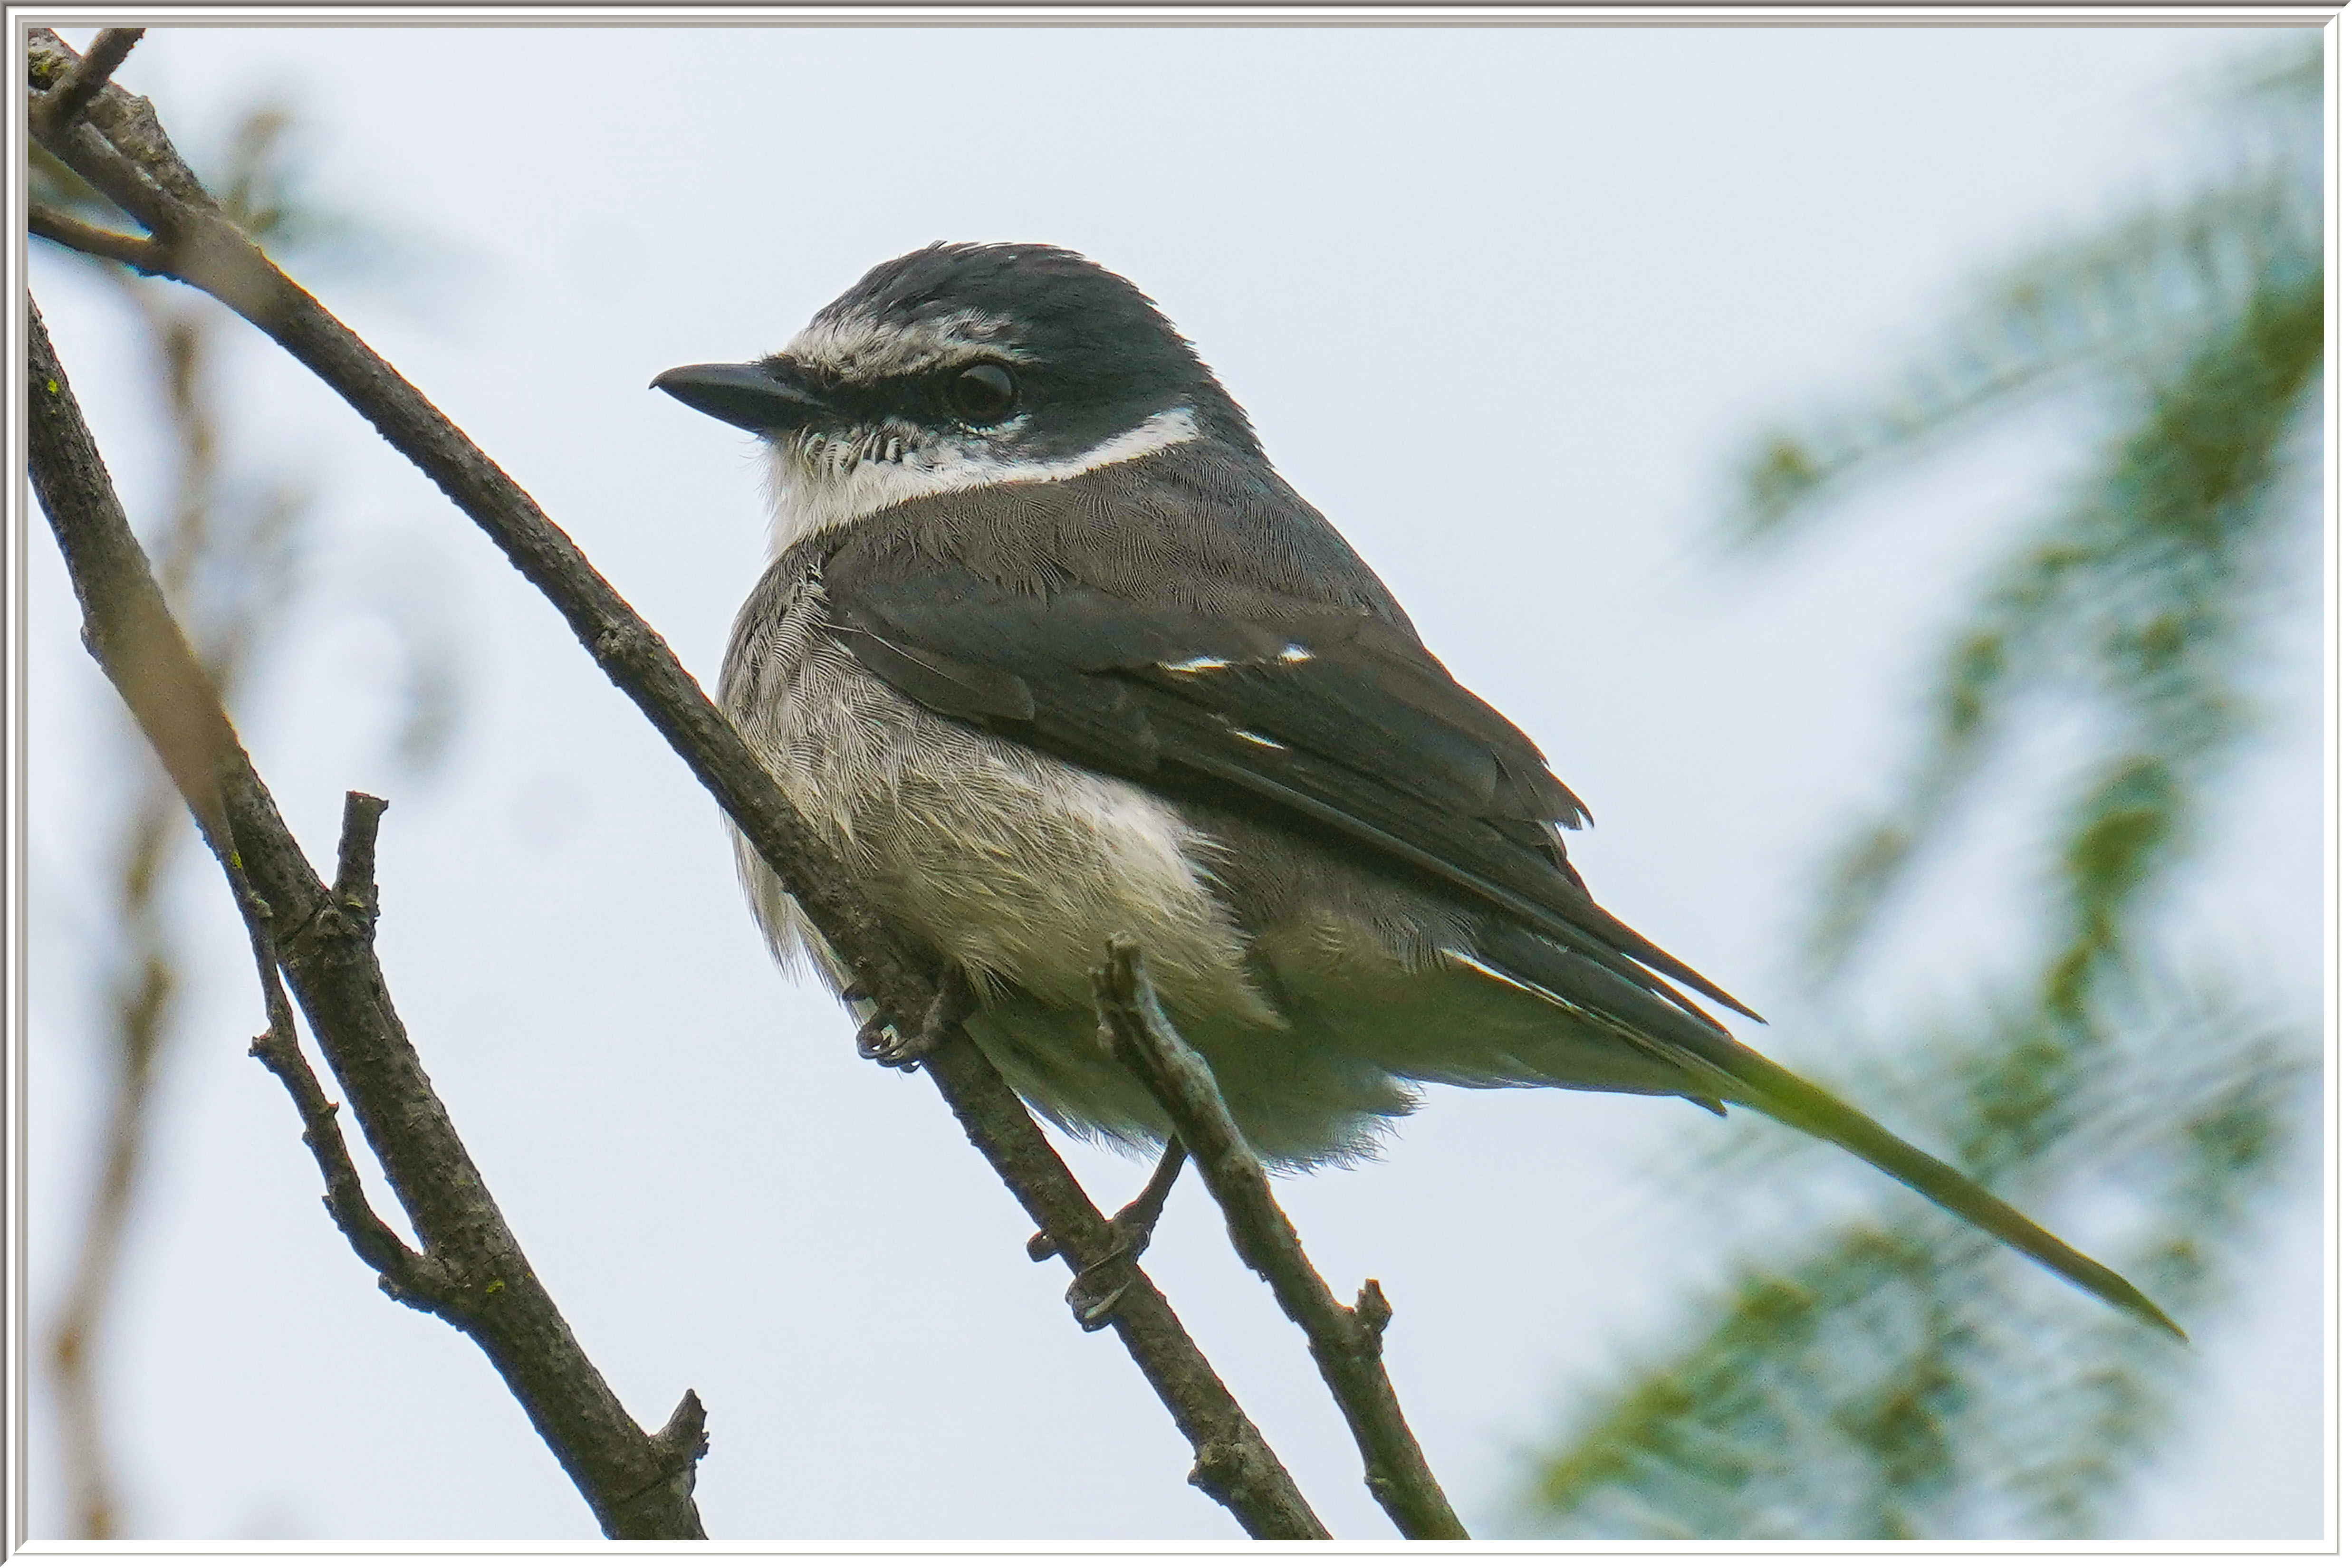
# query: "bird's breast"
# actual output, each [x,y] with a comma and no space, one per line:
[1010,862]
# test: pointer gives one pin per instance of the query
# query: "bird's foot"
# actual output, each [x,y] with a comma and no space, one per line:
[879,1040]
[1095,1290]
[1093,1295]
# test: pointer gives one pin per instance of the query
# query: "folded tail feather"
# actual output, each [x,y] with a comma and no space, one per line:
[1722,1066]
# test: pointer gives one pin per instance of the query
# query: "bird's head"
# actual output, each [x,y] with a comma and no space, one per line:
[961,365]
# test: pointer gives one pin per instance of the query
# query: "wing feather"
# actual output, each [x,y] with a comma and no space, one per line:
[1344,724]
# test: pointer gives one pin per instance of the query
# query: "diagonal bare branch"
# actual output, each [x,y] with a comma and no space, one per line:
[1346,1345]
[63,103]
[638,1485]
[141,999]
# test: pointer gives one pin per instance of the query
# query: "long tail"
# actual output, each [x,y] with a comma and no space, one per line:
[1746,1076]
[1781,1094]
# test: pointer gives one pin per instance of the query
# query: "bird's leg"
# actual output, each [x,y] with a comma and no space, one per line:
[1130,1231]
[1134,1224]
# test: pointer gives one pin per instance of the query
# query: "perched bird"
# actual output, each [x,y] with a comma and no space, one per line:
[1049,651]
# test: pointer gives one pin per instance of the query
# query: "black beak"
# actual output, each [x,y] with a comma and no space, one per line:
[764,395]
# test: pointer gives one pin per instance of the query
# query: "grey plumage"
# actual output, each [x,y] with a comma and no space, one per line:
[1312,983]
[1050,651]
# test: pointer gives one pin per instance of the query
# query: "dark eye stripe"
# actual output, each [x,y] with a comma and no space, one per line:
[928,398]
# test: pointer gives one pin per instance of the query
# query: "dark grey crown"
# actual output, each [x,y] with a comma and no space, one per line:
[1096,357]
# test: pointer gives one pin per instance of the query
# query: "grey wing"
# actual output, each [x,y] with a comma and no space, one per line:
[1331,720]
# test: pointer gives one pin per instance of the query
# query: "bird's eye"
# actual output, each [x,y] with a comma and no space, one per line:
[982,394]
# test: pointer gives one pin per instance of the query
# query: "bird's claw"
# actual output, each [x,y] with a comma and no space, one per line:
[1096,1290]
[1130,1233]
[1094,1294]
[1092,1303]
[880,1042]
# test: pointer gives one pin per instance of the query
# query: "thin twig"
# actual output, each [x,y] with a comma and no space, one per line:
[106,244]
[407,1276]
[355,888]
[1346,1345]
[63,104]
[639,1487]
[103,166]
[119,120]
[200,248]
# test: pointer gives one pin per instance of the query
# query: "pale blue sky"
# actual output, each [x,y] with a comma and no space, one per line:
[1507,304]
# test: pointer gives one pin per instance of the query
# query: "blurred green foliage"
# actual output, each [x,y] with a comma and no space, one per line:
[1896,1376]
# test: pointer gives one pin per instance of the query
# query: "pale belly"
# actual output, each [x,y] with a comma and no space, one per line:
[1012,863]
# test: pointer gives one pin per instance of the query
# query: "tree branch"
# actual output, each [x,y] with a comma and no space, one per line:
[1346,1345]
[196,246]
[63,103]
[1230,1460]
[140,999]
[407,1276]
[106,244]
[637,1484]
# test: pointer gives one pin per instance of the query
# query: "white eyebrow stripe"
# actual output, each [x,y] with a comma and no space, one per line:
[1256,740]
[863,349]
[1195,666]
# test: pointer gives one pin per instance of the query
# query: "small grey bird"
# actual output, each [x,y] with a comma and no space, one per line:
[1050,651]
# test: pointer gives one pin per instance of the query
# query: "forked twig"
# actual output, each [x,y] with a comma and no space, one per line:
[1346,1343]
[472,1271]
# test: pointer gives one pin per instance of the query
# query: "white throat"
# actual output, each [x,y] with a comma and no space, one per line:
[815,490]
